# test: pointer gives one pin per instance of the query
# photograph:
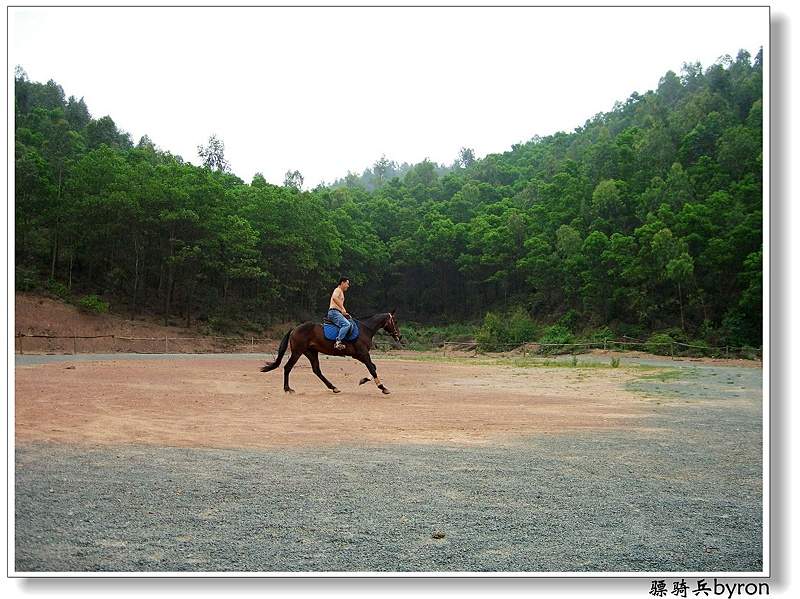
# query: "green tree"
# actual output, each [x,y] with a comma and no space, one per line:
[294,180]
[466,157]
[213,155]
[381,170]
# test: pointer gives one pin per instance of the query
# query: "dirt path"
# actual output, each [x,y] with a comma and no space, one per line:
[228,403]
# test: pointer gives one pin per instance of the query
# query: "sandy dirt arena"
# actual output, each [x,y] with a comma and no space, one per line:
[230,404]
[202,463]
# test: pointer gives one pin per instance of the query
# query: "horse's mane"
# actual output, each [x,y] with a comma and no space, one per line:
[371,322]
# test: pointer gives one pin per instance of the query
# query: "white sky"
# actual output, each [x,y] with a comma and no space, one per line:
[327,90]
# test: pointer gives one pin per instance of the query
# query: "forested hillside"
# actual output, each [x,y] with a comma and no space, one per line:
[645,218]
[385,170]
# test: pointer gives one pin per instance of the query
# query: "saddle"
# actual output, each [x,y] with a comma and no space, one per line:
[330,330]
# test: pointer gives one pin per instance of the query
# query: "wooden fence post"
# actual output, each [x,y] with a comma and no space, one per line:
[74,345]
[166,347]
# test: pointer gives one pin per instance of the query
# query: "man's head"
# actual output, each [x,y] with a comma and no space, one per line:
[344,283]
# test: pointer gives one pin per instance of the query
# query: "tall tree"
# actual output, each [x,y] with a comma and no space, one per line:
[466,157]
[213,155]
[381,169]
[293,179]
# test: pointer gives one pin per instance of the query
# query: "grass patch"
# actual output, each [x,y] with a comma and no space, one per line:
[516,361]
[664,383]
[666,375]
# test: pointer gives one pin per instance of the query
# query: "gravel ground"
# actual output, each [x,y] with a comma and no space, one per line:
[685,496]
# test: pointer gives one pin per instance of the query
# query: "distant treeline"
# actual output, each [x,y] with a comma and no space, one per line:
[385,170]
[646,218]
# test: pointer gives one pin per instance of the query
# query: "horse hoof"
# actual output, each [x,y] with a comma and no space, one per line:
[288,390]
[364,380]
[335,390]
[385,391]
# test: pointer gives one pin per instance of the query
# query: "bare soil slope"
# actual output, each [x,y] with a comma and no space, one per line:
[39,315]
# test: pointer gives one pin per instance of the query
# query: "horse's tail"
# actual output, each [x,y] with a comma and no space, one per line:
[281,350]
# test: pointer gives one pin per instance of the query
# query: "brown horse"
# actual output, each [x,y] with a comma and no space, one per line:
[308,339]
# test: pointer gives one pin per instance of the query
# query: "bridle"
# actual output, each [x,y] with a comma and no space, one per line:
[393,332]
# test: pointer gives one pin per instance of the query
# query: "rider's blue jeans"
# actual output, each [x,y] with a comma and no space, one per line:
[340,321]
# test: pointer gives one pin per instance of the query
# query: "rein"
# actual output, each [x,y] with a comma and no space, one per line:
[375,328]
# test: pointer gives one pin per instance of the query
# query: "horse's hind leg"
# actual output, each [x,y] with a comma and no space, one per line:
[288,368]
[313,357]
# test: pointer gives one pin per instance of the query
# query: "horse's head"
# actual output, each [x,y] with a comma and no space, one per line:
[390,326]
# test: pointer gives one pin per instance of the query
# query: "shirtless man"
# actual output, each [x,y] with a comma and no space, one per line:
[337,312]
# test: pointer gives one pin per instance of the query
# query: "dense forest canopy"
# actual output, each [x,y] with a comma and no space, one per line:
[645,218]
[384,170]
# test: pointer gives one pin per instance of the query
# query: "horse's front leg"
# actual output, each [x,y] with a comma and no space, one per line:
[373,371]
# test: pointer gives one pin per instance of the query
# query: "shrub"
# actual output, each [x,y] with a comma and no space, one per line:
[614,362]
[602,334]
[502,332]
[556,334]
[660,344]
[750,353]
[677,334]
[92,303]
[708,333]
[422,337]
[569,319]
[411,337]
[460,332]
[735,331]
[701,348]
[633,331]
[57,289]
[521,328]
[26,279]
[491,334]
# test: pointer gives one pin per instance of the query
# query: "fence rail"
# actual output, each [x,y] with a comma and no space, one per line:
[146,345]
[74,344]
[675,348]
[220,344]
